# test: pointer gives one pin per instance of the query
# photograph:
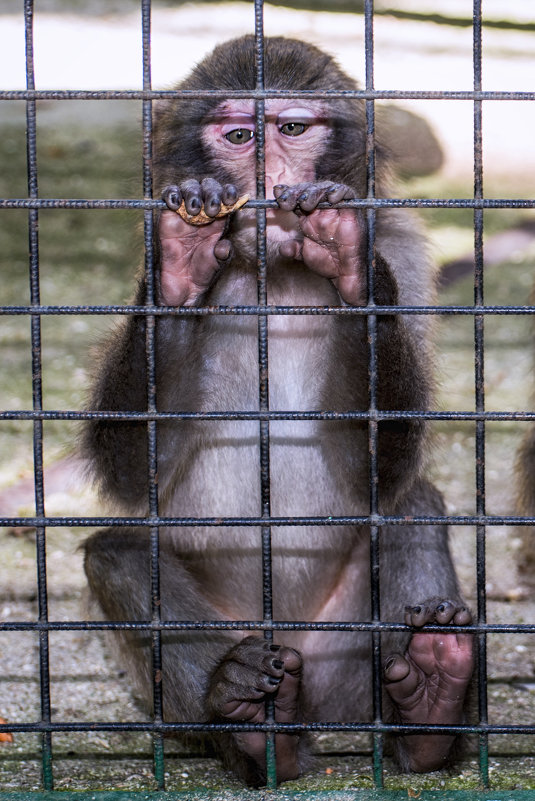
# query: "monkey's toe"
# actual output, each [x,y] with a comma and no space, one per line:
[437,610]
[249,672]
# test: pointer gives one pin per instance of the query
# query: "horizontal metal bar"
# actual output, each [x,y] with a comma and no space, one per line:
[258,94]
[256,625]
[255,311]
[356,203]
[169,728]
[325,416]
[216,522]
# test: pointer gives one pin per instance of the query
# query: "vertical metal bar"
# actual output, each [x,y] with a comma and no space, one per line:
[152,456]
[265,486]
[372,398]
[33,223]
[479,377]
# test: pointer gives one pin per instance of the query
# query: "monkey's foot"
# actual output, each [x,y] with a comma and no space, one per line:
[250,672]
[428,684]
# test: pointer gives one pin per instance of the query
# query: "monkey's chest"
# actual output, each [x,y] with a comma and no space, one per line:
[224,475]
[223,478]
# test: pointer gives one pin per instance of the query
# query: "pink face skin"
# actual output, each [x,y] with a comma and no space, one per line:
[295,138]
[327,241]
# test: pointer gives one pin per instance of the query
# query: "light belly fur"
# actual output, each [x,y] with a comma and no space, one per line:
[223,480]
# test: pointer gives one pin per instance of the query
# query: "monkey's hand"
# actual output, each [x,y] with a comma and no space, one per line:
[429,683]
[333,242]
[251,671]
[191,256]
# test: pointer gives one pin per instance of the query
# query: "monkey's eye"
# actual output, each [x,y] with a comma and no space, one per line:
[293,128]
[239,136]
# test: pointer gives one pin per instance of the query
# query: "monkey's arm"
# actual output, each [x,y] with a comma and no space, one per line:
[334,245]
[188,260]
[117,450]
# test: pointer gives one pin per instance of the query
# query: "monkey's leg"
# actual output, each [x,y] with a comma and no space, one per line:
[429,683]
[117,567]
[251,671]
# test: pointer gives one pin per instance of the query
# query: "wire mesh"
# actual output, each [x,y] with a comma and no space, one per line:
[46,726]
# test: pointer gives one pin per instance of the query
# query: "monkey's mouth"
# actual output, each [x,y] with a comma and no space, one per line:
[280,225]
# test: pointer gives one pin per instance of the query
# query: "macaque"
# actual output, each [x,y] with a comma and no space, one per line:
[315,153]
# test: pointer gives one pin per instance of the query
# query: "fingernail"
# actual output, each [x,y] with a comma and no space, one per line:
[277,664]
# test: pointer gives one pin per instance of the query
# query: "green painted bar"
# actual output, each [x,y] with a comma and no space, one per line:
[159,761]
[270,795]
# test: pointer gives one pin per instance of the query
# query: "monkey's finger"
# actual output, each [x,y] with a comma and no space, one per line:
[229,194]
[223,250]
[192,194]
[312,195]
[172,196]
[287,199]
[212,195]
[278,190]
[292,249]
[340,192]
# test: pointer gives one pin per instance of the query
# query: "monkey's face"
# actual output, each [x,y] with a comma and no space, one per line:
[296,137]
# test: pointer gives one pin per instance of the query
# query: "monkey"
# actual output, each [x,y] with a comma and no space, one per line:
[204,161]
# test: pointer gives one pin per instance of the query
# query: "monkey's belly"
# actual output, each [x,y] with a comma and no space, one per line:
[310,563]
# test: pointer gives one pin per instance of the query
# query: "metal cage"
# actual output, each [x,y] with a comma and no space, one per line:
[47,725]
